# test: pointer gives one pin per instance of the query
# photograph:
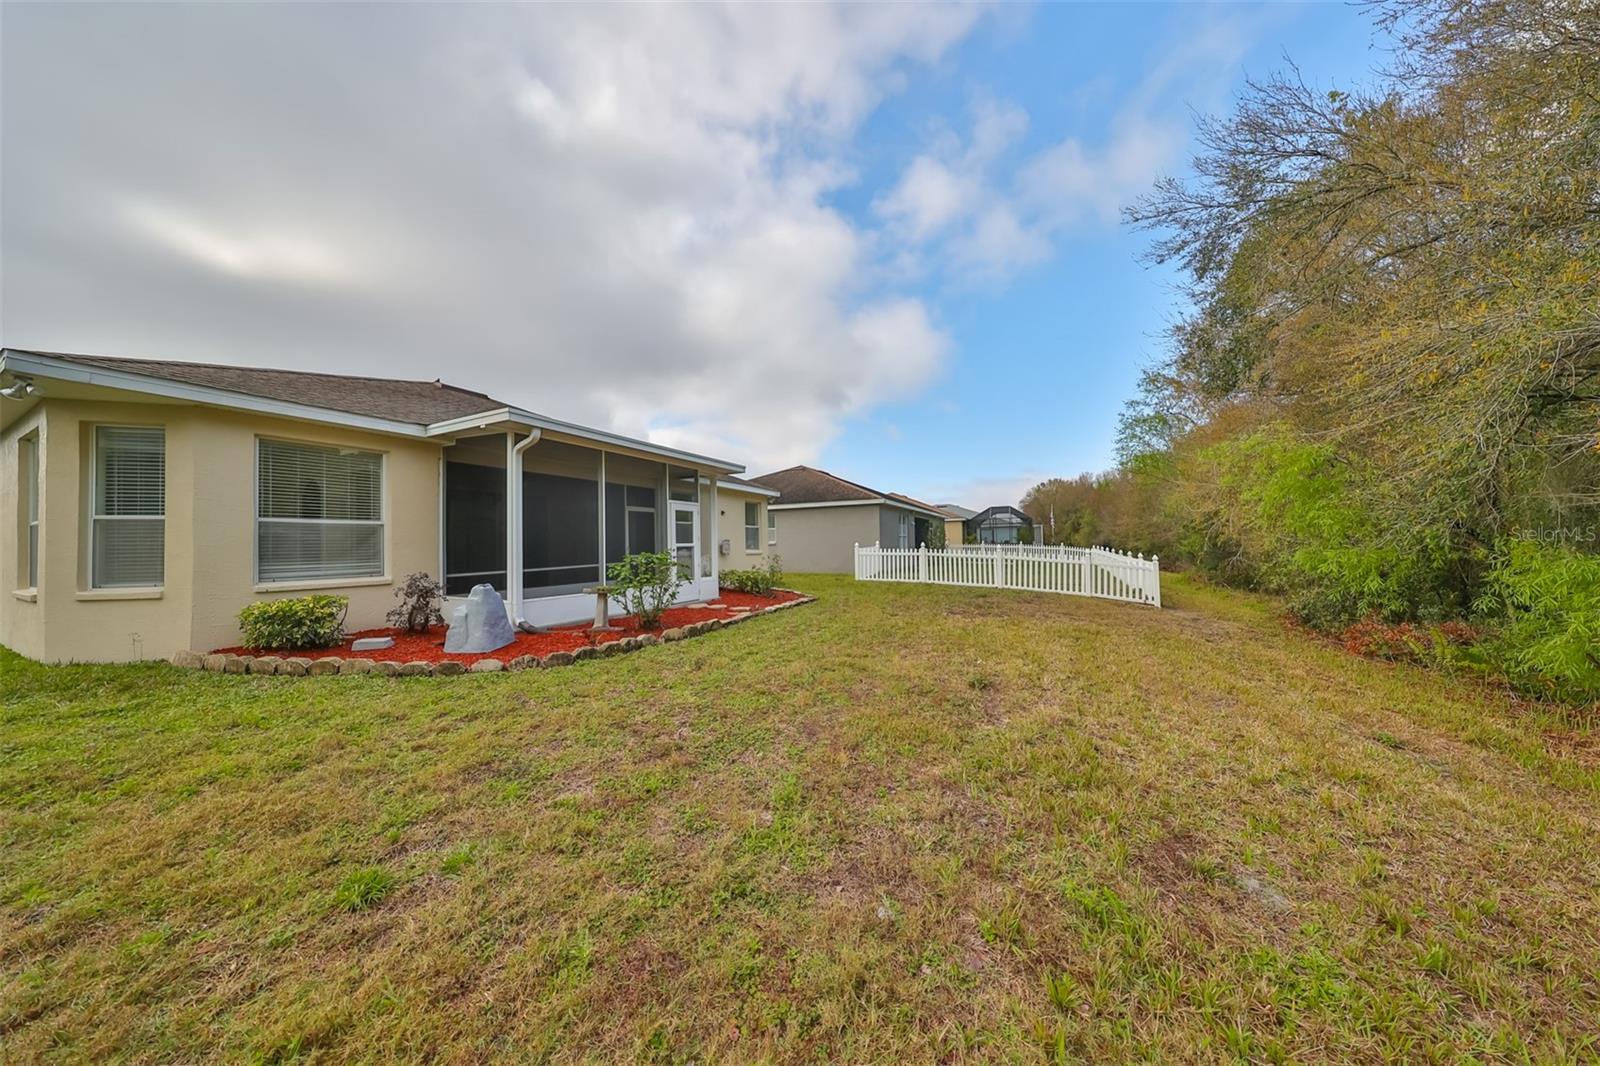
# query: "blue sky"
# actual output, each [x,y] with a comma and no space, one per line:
[1041,360]
[882,239]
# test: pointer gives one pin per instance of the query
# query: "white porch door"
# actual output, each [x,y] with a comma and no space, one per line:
[683,536]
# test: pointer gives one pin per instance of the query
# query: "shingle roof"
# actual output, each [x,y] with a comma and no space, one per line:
[913,501]
[804,484]
[418,402]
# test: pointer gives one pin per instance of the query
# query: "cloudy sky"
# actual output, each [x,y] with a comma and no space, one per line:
[881,239]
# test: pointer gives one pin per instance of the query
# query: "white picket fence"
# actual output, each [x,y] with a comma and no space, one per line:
[1100,572]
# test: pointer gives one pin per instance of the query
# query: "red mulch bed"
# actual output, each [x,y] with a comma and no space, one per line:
[429,647]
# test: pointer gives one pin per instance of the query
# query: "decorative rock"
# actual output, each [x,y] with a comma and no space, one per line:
[372,644]
[416,669]
[524,662]
[189,660]
[357,666]
[214,661]
[295,667]
[448,668]
[588,651]
[558,658]
[386,668]
[628,644]
[480,624]
[487,666]
[609,647]
[327,665]
[237,664]
[673,634]
[646,639]
[265,664]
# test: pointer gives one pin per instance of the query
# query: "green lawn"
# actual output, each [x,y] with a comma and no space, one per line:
[901,824]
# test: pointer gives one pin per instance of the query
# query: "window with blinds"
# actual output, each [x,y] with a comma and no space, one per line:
[30,505]
[319,512]
[128,526]
[752,527]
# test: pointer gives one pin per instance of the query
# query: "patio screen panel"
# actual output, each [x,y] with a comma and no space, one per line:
[319,512]
[128,516]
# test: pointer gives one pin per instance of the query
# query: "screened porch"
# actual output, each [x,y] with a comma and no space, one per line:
[581,509]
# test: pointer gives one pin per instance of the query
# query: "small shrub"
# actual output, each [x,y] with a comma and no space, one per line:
[646,584]
[305,622]
[364,888]
[420,598]
[758,581]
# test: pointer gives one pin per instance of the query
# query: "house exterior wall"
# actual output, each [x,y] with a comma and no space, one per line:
[823,539]
[209,532]
[730,503]
[21,614]
[954,531]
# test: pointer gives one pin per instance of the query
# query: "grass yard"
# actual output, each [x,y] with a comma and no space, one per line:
[902,824]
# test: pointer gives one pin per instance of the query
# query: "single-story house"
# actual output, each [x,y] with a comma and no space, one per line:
[996,525]
[152,500]
[820,518]
[955,526]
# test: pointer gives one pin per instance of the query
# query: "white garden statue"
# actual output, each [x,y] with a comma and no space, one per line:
[480,624]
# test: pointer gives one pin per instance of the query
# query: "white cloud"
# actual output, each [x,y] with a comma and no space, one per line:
[615,214]
[982,492]
[986,221]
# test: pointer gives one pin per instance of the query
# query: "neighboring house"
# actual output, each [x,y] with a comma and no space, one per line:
[955,529]
[152,500]
[822,517]
[999,525]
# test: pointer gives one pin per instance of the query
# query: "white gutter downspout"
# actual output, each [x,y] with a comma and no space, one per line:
[514,450]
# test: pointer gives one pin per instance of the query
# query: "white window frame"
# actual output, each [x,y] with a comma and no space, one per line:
[772,527]
[94,505]
[752,528]
[323,581]
[30,496]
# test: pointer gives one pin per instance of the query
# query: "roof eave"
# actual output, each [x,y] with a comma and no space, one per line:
[48,368]
[517,418]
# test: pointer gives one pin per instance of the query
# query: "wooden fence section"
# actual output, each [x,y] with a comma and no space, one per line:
[1099,572]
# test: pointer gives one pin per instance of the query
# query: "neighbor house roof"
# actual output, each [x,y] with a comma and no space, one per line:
[957,511]
[800,486]
[408,408]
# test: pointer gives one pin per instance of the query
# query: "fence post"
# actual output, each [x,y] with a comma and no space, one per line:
[1155,574]
[999,567]
[857,557]
[922,564]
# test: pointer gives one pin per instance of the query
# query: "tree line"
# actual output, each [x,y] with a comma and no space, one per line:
[1384,401]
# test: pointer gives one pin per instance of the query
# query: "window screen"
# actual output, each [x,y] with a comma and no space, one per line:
[752,527]
[128,513]
[319,512]
[30,505]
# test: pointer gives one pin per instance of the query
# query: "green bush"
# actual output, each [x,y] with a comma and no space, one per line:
[646,584]
[1549,600]
[759,581]
[306,622]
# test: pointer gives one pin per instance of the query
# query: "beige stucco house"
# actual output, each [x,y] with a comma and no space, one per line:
[148,501]
[820,517]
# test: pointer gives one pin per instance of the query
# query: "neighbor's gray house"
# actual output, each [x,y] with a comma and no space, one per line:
[820,518]
[147,501]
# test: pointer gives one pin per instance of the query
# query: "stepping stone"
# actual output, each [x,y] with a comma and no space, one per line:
[372,644]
